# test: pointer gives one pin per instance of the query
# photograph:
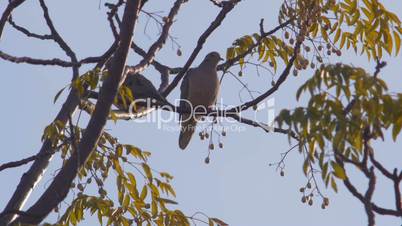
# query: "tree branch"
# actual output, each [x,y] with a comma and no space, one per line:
[48,62]
[157,45]
[7,13]
[227,7]
[59,40]
[263,35]
[274,88]
[34,174]
[17,163]
[59,188]
[27,32]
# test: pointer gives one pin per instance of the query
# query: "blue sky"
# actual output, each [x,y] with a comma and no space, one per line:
[238,185]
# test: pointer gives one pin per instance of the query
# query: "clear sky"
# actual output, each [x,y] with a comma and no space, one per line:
[238,185]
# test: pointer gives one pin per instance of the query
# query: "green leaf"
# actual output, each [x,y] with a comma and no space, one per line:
[337,35]
[168,201]
[57,95]
[306,166]
[230,53]
[396,130]
[219,222]
[147,171]
[132,179]
[126,201]
[144,192]
[333,184]
[338,171]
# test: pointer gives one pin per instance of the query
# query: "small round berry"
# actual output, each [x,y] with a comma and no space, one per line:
[326,201]
[80,187]
[291,41]
[255,107]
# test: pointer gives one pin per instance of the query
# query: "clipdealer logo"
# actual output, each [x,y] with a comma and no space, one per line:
[143,111]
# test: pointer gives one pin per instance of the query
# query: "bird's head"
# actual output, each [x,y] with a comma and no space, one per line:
[213,58]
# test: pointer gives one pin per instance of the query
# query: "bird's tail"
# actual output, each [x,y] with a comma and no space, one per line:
[187,129]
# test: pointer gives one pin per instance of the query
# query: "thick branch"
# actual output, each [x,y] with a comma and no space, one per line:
[59,188]
[30,179]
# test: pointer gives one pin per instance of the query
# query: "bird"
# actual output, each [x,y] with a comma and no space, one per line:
[199,88]
[144,93]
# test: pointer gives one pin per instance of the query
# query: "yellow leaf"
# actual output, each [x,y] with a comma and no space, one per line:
[126,201]
[230,53]
[324,34]
[147,171]
[338,171]
[132,179]
[333,185]
[144,193]
[337,35]
[343,40]
[219,222]
[397,43]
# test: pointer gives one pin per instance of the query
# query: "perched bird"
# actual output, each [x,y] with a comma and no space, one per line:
[199,88]
[144,94]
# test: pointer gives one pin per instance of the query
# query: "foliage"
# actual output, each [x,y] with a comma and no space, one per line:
[347,107]
[326,129]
